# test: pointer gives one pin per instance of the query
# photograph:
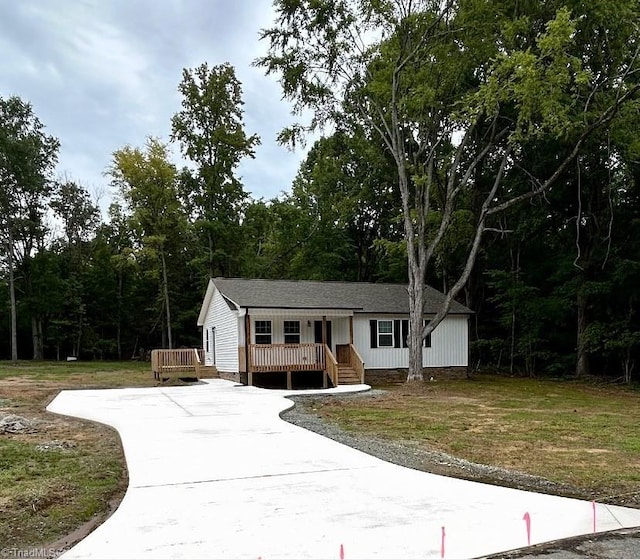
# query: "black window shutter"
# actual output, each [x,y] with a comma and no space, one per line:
[373,325]
[405,333]
[396,333]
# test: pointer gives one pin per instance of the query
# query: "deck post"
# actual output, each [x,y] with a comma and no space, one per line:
[247,347]
[289,384]
[324,329]
[325,382]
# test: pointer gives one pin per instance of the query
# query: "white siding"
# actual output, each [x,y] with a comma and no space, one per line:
[449,344]
[225,322]
[339,327]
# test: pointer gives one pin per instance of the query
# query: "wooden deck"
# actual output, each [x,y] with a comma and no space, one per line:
[172,363]
[347,368]
[289,358]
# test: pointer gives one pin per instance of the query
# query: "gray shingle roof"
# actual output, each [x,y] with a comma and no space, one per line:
[301,294]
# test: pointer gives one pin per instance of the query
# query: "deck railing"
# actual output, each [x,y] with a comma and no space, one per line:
[356,362]
[332,365]
[303,357]
[286,357]
[180,360]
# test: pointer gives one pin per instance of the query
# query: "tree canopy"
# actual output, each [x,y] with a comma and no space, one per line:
[487,149]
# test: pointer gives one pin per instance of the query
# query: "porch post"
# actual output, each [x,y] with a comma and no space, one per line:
[289,384]
[247,347]
[324,329]
[325,383]
[351,329]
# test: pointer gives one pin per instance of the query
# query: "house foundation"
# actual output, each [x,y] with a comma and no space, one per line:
[399,375]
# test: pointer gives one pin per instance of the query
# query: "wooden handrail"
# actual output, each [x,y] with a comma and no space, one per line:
[356,362]
[331,365]
[177,360]
[197,362]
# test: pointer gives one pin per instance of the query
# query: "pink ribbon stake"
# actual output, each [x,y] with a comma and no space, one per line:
[442,543]
[341,552]
[593,505]
[527,520]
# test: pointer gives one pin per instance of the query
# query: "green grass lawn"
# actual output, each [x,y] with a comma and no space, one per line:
[91,374]
[568,432]
[47,491]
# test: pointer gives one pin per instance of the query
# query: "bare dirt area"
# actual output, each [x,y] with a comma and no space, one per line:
[61,476]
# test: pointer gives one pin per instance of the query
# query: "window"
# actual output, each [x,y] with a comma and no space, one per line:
[292,332]
[385,333]
[392,333]
[206,341]
[263,332]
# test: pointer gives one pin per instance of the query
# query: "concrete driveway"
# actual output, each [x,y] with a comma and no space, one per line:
[215,473]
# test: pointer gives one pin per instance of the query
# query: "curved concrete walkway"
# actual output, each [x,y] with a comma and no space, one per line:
[215,473]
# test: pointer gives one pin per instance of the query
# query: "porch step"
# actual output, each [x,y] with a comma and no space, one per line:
[210,372]
[347,376]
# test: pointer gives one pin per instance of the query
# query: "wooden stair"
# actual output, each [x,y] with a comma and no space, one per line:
[209,372]
[347,375]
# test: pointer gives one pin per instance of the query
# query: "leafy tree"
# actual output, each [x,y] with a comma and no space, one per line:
[27,159]
[148,182]
[80,217]
[455,89]
[346,188]
[211,133]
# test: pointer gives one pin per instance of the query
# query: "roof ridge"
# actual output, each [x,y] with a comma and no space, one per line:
[350,282]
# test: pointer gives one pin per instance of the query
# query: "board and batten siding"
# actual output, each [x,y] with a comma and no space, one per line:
[225,322]
[449,344]
[339,327]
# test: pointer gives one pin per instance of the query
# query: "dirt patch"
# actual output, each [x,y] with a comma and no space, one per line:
[14,424]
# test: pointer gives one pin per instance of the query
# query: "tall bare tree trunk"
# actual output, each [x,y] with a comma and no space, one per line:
[582,357]
[167,307]
[12,299]
[119,329]
[36,335]
[416,292]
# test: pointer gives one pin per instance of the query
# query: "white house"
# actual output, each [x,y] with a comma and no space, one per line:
[349,331]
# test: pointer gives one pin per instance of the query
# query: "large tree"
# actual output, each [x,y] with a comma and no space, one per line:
[27,160]
[148,182]
[80,217]
[210,130]
[457,90]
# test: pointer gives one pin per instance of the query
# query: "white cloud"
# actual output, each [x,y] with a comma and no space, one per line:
[102,74]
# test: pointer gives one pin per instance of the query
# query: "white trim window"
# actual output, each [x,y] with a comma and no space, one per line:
[263,332]
[292,332]
[385,332]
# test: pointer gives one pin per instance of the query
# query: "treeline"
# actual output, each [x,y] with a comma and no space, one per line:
[555,285]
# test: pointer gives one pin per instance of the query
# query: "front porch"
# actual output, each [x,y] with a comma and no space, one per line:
[345,368]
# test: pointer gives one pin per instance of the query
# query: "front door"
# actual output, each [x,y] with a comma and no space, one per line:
[317,327]
[343,353]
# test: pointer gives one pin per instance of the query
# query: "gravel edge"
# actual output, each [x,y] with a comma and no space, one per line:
[408,454]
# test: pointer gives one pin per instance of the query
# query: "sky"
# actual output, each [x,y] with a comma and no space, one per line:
[102,74]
